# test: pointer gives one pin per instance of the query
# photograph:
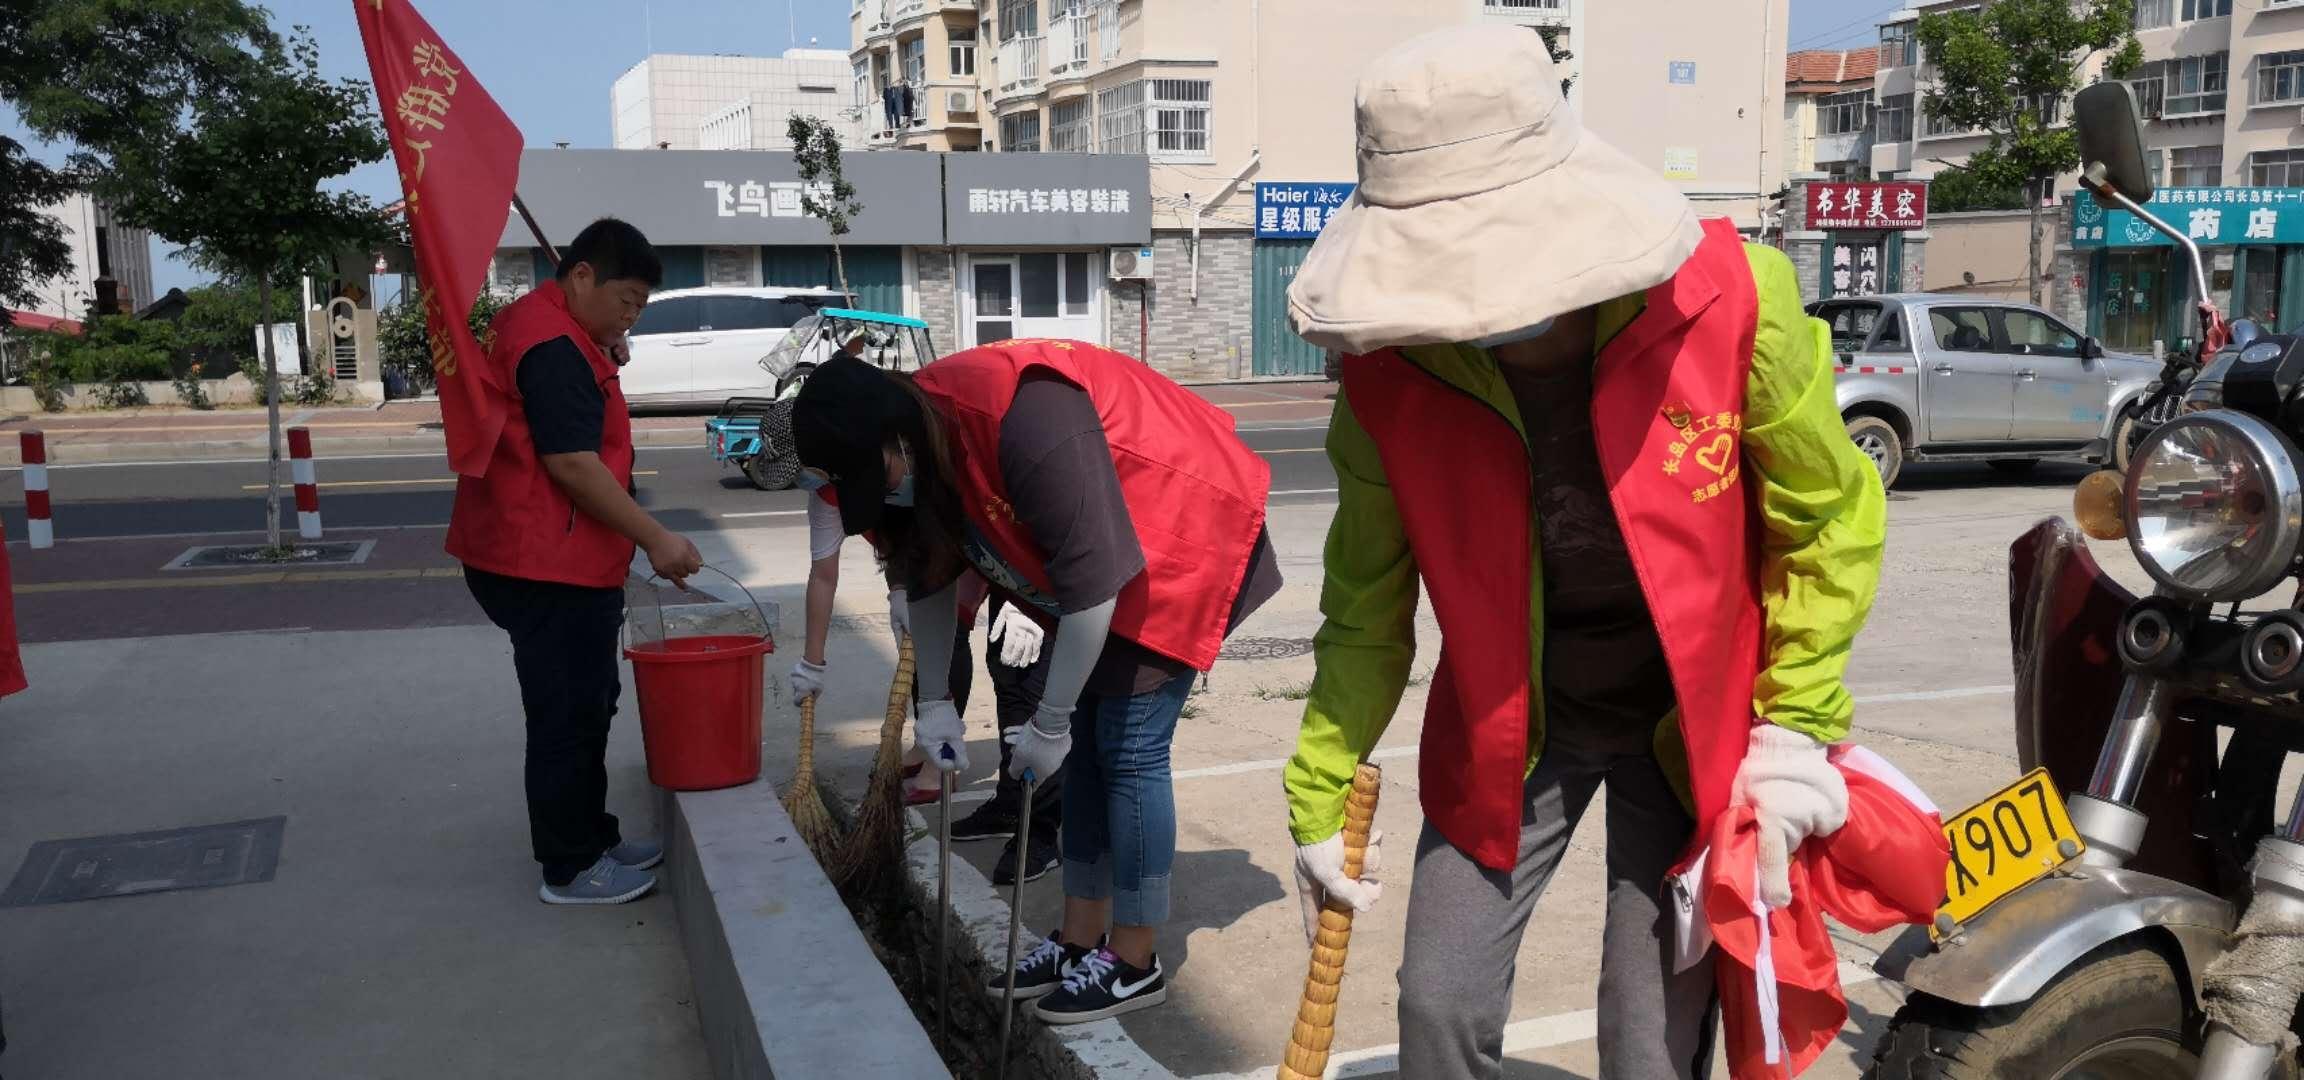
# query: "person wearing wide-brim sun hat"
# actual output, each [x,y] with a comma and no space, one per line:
[1604,435]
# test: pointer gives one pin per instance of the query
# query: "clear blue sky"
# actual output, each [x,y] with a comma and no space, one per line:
[552,75]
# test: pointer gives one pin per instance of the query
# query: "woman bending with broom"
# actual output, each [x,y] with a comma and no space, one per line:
[1090,490]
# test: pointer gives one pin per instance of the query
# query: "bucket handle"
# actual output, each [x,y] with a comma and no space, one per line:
[758,612]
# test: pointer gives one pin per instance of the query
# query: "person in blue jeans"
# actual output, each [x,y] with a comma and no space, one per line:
[1026,462]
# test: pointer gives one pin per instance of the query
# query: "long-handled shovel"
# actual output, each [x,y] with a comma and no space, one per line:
[1015,917]
[944,904]
[1307,1055]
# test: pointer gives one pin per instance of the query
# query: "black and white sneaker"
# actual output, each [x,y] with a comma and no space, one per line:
[990,821]
[1042,970]
[1045,855]
[1102,986]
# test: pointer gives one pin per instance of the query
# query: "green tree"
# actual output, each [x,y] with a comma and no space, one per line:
[1553,36]
[825,192]
[98,74]
[2007,70]
[32,247]
[403,337]
[238,180]
[218,328]
[1959,189]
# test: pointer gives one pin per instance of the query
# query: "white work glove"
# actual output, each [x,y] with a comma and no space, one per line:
[899,615]
[1320,875]
[1039,750]
[1018,636]
[936,727]
[1795,793]
[807,681]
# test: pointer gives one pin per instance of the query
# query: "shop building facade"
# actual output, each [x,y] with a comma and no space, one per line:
[2133,287]
[982,247]
[1856,238]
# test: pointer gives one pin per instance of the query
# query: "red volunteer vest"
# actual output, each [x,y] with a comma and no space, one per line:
[1194,491]
[1667,412]
[515,521]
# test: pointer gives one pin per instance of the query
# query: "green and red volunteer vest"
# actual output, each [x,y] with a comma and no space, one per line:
[1667,413]
[1194,491]
[515,521]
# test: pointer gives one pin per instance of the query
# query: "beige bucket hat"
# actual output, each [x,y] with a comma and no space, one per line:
[1484,206]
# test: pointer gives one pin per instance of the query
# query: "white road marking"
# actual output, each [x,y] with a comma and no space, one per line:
[1302,491]
[1538,1033]
[1935,695]
[433,455]
[763,514]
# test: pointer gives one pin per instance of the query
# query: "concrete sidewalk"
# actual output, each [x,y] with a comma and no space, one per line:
[401,936]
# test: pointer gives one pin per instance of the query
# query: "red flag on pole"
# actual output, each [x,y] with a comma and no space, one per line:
[459,159]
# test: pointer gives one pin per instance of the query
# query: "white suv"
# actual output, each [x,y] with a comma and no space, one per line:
[699,347]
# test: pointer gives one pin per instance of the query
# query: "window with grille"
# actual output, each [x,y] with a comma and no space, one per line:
[2195,85]
[2149,84]
[2204,9]
[1933,125]
[2276,168]
[2196,166]
[1019,18]
[1522,7]
[1120,119]
[2154,14]
[1894,119]
[864,95]
[2280,76]
[1020,132]
[1179,112]
[1068,130]
[963,52]
[1840,114]
[915,54]
[1897,49]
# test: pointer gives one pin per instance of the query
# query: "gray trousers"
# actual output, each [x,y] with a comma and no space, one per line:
[1465,923]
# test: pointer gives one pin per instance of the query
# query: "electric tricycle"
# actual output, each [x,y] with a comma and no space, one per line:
[755,433]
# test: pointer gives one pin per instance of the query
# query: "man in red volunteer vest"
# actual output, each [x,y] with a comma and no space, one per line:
[1604,437]
[546,539]
[1110,503]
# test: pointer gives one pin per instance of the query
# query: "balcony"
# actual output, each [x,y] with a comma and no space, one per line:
[1537,12]
[1020,65]
[1069,38]
[904,11]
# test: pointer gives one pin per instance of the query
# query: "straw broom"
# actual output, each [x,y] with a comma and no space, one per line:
[876,844]
[1307,1055]
[803,801]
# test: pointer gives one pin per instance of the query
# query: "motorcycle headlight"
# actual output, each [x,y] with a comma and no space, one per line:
[2215,507]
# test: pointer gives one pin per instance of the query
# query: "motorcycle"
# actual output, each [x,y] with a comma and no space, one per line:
[2152,926]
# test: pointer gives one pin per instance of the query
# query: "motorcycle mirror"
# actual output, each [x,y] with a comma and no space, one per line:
[2111,140]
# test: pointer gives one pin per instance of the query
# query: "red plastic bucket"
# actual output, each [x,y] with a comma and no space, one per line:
[700,700]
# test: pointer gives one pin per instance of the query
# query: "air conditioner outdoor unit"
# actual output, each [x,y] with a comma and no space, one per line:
[1131,263]
[960,101]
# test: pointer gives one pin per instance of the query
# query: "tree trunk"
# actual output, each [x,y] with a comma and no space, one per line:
[2032,261]
[840,266]
[272,413]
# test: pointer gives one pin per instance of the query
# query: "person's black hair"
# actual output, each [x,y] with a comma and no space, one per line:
[616,252]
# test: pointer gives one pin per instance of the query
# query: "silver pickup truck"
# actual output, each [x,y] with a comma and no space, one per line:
[1924,377]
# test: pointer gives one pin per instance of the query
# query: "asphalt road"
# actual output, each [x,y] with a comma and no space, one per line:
[683,486]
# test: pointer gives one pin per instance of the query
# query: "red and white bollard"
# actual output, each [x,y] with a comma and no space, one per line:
[307,489]
[36,509]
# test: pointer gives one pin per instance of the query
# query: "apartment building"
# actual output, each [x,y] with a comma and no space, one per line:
[1828,112]
[674,102]
[101,248]
[1244,110]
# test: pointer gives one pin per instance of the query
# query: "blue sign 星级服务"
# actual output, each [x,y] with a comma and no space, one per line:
[1295,211]
[2217,217]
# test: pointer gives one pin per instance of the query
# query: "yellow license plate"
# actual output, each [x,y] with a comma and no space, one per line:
[2013,838]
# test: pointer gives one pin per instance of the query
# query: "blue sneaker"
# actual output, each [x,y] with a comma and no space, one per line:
[638,854]
[607,882]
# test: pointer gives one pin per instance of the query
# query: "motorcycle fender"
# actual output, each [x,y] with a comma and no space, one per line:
[2014,948]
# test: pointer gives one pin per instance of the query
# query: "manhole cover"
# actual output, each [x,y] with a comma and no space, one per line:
[201,857]
[257,556]
[1266,648]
